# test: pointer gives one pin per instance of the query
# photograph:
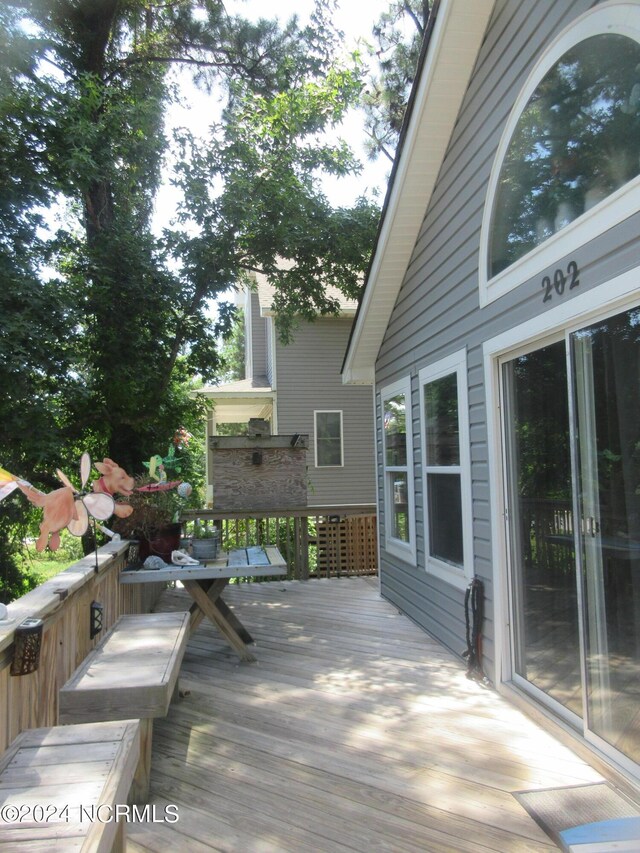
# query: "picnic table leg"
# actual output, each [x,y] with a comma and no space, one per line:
[231,617]
[214,589]
[210,609]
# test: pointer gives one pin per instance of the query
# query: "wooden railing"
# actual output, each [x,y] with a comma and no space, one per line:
[319,541]
[63,604]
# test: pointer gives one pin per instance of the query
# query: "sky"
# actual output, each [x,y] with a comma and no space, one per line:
[355,19]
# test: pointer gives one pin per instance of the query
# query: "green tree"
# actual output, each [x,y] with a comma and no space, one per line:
[36,360]
[269,149]
[398,36]
[232,352]
[96,71]
[109,323]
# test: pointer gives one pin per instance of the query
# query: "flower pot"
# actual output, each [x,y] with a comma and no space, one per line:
[205,549]
[160,543]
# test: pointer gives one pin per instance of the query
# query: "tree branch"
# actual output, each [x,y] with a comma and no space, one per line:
[420,25]
[130,61]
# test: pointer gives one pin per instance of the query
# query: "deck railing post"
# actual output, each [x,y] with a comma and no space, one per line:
[297,556]
[304,548]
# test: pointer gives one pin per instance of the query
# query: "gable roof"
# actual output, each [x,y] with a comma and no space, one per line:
[452,41]
[266,293]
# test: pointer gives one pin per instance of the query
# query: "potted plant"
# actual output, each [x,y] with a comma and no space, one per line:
[154,521]
[205,544]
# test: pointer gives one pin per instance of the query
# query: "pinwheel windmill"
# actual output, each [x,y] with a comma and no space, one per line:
[65,507]
[98,505]
[7,483]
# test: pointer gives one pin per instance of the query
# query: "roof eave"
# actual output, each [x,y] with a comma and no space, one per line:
[216,394]
[344,311]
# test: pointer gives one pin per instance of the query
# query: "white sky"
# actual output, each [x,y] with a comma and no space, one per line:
[355,18]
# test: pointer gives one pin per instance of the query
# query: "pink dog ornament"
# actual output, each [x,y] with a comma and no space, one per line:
[67,507]
[114,480]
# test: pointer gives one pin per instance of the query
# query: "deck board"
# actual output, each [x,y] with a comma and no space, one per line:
[353,731]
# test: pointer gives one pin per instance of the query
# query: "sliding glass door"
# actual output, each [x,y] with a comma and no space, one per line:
[543,570]
[572,455]
[606,359]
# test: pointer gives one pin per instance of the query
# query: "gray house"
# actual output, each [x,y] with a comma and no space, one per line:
[500,330]
[297,388]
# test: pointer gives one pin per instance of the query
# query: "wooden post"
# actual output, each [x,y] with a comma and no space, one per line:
[140,786]
[303,549]
[297,555]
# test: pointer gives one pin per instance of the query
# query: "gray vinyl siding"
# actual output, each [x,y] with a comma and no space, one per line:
[308,379]
[268,324]
[437,311]
[258,339]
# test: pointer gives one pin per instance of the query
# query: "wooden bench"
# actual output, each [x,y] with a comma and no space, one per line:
[59,788]
[133,672]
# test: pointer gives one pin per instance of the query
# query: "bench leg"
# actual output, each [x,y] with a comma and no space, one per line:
[177,693]
[120,839]
[140,786]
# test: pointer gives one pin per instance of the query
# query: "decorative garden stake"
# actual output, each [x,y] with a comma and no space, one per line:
[65,507]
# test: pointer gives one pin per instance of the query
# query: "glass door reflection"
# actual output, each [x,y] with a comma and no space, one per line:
[545,628]
[606,373]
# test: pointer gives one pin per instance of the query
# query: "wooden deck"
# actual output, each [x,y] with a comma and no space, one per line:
[354,731]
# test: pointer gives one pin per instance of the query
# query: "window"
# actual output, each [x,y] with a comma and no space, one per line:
[446,466]
[328,429]
[568,166]
[398,468]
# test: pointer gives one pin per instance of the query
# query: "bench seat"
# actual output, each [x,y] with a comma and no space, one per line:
[53,781]
[132,672]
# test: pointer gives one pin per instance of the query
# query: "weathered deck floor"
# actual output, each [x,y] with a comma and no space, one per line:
[354,732]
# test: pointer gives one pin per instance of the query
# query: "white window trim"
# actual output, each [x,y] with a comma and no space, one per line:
[455,363]
[620,18]
[317,412]
[403,550]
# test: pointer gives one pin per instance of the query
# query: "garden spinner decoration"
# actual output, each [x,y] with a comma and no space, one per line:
[65,507]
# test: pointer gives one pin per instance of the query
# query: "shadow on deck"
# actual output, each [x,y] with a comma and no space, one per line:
[354,731]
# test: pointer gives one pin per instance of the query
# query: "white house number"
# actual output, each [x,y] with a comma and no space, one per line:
[561,281]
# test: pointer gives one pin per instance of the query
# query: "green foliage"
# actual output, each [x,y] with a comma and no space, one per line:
[398,37]
[271,150]
[106,328]
[13,582]
[232,352]
[41,567]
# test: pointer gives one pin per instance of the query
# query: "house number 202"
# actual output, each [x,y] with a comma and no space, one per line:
[561,281]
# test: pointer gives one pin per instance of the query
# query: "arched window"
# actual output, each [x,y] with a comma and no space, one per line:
[571,146]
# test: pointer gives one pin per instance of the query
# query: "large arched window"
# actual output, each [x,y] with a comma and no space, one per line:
[571,149]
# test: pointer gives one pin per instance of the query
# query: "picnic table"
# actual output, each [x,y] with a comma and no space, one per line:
[206,582]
